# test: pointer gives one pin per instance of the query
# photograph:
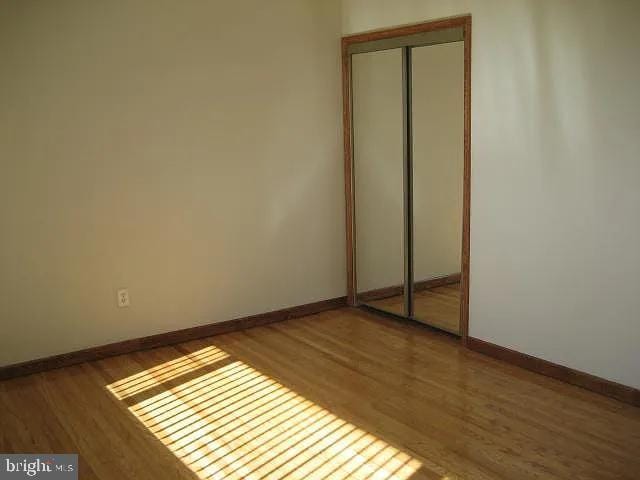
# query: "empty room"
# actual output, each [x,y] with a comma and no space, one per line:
[320,239]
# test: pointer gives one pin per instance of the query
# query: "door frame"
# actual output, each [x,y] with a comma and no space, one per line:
[463,21]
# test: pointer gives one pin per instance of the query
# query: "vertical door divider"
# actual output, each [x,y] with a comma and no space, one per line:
[407,147]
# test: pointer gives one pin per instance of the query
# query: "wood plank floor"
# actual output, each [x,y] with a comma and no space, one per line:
[438,307]
[343,394]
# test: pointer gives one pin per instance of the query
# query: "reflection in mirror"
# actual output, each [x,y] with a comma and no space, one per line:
[378,178]
[438,169]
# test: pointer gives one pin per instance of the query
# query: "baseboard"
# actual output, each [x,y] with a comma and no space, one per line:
[386,292]
[380,293]
[615,390]
[169,338]
[437,282]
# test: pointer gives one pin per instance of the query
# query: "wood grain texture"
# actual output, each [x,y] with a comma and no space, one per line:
[348,176]
[401,31]
[169,338]
[460,21]
[342,394]
[466,190]
[615,390]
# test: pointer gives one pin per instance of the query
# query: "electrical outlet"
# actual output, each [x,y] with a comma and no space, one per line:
[123,297]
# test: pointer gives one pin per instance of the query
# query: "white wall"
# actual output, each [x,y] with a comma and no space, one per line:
[555,222]
[189,151]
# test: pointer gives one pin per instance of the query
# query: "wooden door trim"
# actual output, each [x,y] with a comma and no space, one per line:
[461,21]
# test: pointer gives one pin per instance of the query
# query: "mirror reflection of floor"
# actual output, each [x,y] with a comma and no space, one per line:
[438,307]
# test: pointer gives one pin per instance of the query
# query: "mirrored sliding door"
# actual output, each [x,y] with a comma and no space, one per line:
[378,178]
[407,152]
[438,171]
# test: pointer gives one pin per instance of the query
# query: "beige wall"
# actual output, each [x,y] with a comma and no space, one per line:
[189,151]
[555,223]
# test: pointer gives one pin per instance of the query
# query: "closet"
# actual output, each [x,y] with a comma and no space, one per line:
[408,172]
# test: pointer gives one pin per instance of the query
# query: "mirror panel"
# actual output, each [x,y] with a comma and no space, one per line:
[378,178]
[438,166]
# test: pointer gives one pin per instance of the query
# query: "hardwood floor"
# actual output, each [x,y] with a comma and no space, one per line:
[343,394]
[438,307]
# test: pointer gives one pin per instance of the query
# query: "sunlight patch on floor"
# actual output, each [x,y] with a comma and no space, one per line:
[164,372]
[233,422]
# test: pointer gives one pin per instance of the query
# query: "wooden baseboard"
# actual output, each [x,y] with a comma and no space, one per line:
[380,293]
[615,390]
[386,292]
[169,338]
[436,282]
